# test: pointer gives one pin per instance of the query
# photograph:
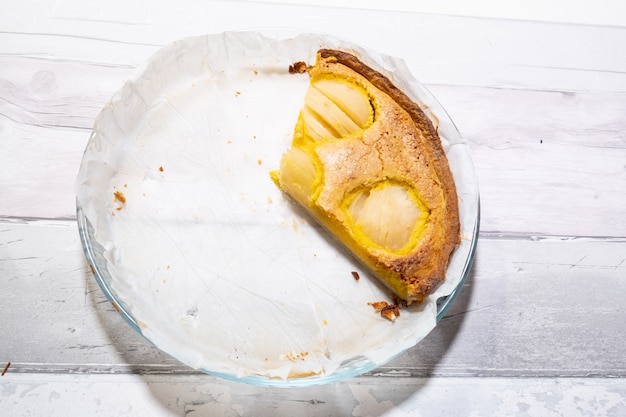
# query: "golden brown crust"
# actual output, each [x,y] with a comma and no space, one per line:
[299,67]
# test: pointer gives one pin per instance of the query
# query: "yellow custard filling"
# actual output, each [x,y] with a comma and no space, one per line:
[336,109]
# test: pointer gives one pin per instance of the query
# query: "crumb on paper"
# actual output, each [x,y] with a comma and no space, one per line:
[116,307]
[391,312]
[260,162]
[386,310]
[355,275]
[256,72]
[119,197]
[161,169]
[378,305]
[269,200]
[293,374]
[325,322]
[93,270]
[237,93]
[294,356]
[299,67]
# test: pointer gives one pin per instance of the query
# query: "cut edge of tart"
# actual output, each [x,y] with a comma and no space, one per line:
[368,164]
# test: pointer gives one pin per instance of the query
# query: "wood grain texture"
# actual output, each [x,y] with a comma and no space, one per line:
[190,395]
[538,328]
[521,313]
[544,160]
[540,123]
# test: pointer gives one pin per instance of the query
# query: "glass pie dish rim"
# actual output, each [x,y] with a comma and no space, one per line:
[347,369]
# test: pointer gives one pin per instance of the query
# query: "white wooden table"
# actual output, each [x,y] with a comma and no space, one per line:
[539,329]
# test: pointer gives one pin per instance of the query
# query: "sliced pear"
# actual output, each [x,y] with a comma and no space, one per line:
[298,174]
[330,113]
[314,127]
[376,212]
[334,109]
[349,98]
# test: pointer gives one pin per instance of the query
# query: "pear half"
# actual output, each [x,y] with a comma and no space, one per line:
[367,163]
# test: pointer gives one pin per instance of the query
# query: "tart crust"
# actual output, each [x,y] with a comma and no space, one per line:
[401,146]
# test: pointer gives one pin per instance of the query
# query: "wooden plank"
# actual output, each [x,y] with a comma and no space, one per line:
[531,174]
[531,307]
[46,114]
[571,134]
[490,52]
[547,162]
[61,318]
[609,13]
[200,395]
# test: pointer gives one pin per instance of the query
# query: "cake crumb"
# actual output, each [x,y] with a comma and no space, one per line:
[161,169]
[355,275]
[294,356]
[119,196]
[299,67]
[378,305]
[388,311]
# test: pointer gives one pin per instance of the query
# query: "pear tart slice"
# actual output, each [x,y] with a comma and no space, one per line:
[368,164]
